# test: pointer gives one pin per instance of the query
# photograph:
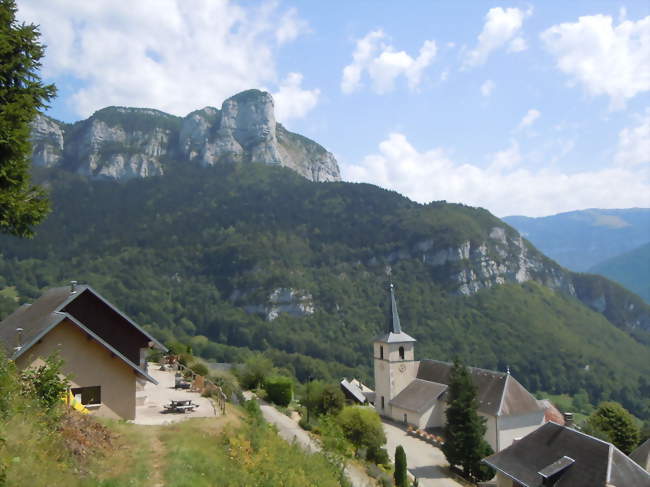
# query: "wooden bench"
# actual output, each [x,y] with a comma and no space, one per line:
[181,406]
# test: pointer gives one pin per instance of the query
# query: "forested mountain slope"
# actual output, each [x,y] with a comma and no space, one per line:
[631,269]
[255,257]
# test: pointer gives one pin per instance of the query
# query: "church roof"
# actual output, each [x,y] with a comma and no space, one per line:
[570,458]
[418,396]
[395,333]
[499,394]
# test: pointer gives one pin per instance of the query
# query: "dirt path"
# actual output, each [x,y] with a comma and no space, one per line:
[157,458]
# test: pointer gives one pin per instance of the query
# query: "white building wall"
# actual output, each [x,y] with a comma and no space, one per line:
[512,427]
[491,432]
[392,374]
[436,417]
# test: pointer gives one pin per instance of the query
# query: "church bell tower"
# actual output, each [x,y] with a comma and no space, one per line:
[393,360]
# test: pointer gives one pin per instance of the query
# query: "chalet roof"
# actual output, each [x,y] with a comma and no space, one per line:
[418,396]
[353,391]
[48,311]
[642,454]
[572,458]
[499,394]
[395,333]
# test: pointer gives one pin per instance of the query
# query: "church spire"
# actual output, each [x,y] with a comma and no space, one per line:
[394,324]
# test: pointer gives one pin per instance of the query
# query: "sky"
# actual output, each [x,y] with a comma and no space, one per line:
[523,108]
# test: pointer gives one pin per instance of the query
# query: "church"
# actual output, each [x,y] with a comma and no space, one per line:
[414,391]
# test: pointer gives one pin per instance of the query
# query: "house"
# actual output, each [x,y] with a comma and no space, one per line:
[355,391]
[642,454]
[414,392]
[103,350]
[555,455]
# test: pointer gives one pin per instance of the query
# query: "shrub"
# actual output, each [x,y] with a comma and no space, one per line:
[199,368]
[255,371]
[47,383]
[279,390]
[399,475]
[362,427]
[378,456]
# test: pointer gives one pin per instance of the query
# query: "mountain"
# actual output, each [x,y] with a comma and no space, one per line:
[631,269]
[123,143]
[581,239]
[239,257]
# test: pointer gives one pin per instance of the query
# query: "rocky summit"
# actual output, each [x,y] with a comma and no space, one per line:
[123,143]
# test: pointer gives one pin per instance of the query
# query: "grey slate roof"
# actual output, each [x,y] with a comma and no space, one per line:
[353,391]
[595,462]
[48,311]
[499,394]
[395,333]
[642,454]
[418,396]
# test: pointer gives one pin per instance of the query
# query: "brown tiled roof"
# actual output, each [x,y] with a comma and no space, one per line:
[418,396]
[499,394]
[551,413]
[595,462]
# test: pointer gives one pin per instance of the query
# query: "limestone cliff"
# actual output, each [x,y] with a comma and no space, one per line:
[123,143]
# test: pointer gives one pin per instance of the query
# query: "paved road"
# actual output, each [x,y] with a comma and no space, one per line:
[423,460]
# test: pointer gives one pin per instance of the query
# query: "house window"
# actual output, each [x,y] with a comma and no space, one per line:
[381,352]
[406,420]
[401,353]
[88,395]
[382,402]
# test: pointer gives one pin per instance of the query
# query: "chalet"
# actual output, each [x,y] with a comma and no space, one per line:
[414,392]
[103,350]
[559,456]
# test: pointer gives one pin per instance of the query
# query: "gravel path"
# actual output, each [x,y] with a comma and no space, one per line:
[423,460]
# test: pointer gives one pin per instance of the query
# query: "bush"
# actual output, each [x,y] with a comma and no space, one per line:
[362,427]
[47,383]
[199,368]
[254,371]
[279,390]
[400,475]
[378,456]
[322,398]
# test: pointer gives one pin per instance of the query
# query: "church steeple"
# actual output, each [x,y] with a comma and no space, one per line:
[394,333]
[394,324]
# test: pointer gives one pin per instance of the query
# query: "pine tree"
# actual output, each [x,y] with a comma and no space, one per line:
[400,476]
[464,443]
[612,422]
[22,94]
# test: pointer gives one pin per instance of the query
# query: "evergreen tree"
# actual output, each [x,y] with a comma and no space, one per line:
[400,476]
[464,443]
[22,94]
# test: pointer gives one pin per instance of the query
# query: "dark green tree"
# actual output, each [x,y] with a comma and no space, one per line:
[464,444]
[612,422]
[401,479]
[22,95]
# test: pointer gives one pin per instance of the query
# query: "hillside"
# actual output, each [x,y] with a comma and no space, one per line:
[236,257]
[580,240]
[631,269]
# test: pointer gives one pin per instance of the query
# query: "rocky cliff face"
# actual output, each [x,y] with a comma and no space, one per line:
[122,143]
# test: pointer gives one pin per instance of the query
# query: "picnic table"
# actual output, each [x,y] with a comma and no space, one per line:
[181,406]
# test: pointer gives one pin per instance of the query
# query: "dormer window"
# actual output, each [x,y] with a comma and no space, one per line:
[401,353]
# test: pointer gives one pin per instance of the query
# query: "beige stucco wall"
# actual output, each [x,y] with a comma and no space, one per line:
[88,364]
[490,433]
[436,417]
[512,427]
[390,379]
[503,480]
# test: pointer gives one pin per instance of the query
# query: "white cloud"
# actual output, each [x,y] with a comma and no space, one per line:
[174,55]
[291,101]
[504,187]
[501,25]
[606,59]
[634,143]
[487,87]
[530,118]
[384,64]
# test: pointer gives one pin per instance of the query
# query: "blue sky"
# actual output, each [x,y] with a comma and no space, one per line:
[521,107]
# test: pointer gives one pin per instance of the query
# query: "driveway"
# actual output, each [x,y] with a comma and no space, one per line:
[423,460]
[157,396]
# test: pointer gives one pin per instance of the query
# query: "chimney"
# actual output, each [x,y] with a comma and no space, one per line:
[19,332]
[568,419]
[73,287]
